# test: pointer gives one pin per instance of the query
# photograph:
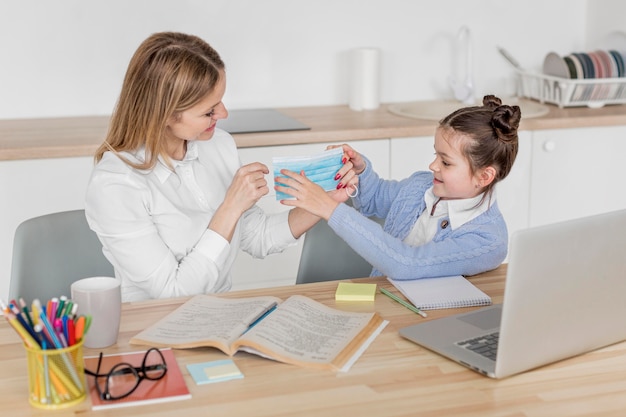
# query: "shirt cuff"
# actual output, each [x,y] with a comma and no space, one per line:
[214,247]
[279,225]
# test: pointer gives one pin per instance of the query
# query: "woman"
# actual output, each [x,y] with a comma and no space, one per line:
[168,196]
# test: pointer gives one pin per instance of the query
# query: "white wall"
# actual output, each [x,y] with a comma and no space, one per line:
[68,57]
[604,19]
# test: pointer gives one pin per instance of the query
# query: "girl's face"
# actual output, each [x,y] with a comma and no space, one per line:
[197,122]
[453,178]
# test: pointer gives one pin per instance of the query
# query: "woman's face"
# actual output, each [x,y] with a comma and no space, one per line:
[199,121]
[453,178]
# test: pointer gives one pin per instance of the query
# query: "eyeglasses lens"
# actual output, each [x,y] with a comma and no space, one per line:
[154,365]
[123,378]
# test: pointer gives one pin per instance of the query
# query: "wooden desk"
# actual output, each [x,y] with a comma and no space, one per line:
[394,377]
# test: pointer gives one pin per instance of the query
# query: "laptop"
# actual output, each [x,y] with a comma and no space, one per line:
[564,295]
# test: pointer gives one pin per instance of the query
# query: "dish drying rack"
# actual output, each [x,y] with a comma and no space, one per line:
[565,92]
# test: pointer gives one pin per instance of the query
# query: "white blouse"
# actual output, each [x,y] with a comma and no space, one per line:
[153,224]
[458,212]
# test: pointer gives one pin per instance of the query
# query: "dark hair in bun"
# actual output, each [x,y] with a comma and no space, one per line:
[492,128]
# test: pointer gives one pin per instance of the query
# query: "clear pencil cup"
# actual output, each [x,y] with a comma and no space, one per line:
[56,377]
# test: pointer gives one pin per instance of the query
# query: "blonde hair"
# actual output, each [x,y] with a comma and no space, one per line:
[168,74]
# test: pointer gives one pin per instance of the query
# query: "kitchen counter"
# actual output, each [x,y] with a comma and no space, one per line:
[80,136]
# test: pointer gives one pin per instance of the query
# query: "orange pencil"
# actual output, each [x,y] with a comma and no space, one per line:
[79,328]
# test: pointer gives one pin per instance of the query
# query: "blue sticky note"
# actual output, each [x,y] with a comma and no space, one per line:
[214,371]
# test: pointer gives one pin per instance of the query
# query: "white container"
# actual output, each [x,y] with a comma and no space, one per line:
[364,79]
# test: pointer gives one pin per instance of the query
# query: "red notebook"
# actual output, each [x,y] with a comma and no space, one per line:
[171,387]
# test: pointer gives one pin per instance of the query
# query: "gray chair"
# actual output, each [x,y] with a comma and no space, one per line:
[327,257]
[52,251]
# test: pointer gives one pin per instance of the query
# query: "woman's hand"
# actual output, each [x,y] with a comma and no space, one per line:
[248,186]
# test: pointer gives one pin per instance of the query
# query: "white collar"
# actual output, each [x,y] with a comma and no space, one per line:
[459,211]
[161,170]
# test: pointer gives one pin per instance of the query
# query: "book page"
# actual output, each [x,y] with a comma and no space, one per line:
[304,332]
[206,320]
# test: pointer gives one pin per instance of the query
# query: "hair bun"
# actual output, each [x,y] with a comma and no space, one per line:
[505,119]
[491,102]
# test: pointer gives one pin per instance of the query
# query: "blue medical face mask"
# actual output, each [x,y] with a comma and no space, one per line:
[320,169]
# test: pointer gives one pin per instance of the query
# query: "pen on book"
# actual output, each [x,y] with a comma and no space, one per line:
[404,303]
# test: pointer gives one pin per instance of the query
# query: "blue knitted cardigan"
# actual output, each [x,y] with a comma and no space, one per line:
[477,246]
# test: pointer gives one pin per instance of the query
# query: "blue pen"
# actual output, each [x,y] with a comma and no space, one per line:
[20,319]
[57,343]
[67,336]
[41,338]
[46,323]
[258,320]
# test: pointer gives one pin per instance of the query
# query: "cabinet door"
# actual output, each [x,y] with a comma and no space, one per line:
[409,155]
[281,269]
[577,172]
[513,192]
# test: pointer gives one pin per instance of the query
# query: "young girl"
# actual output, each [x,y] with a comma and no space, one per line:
[439,223]
[168,197]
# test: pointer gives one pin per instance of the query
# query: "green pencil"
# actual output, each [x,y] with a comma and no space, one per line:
[404,303]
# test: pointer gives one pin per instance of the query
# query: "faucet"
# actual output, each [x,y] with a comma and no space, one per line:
[463,91]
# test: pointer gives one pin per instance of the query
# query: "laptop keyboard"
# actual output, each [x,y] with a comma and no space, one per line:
[486,345]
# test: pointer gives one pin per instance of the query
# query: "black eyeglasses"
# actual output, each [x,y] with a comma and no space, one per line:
[124,378]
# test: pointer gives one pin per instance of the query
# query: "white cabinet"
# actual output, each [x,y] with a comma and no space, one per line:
[409,155]
[415,154]
[514,191]
[577,172]
[281,269]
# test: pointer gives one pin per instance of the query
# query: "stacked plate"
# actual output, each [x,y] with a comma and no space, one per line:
[586,65]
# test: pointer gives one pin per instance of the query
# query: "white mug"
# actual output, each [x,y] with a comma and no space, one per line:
[100,298]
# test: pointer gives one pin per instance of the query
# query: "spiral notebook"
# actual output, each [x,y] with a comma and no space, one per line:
[443,292]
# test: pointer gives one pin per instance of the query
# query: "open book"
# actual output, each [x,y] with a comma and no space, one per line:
[298,331]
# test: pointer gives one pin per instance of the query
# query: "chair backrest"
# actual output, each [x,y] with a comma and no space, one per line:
[52,251]
[327,257]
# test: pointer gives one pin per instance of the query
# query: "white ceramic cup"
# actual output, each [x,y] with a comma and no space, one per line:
[100,298]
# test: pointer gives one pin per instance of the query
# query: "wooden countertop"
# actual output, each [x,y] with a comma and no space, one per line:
[393,377]
[80,136]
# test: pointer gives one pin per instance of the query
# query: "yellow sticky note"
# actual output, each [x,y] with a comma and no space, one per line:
[351,291]
[221,371]
[214,371]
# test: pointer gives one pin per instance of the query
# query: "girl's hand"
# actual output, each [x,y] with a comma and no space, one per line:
[352,160]
[310,196]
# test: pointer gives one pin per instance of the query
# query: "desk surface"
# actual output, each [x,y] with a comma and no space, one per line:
[394,377]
